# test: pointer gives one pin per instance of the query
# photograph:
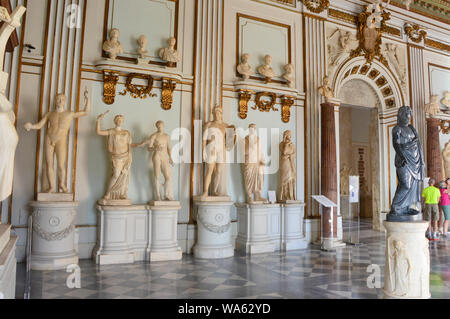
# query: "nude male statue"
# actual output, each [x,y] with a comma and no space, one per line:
[55,143]
[159,143]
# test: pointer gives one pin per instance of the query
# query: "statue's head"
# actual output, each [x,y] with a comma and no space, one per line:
[142,41]
[60,101]
[404,116]
[326,81]
[287,136]
[218,113]
[114,34]
[289,68]
[160,126]
[434,99]
[119,120]
[268,59]
[252,129]
[245,58]
[172,41]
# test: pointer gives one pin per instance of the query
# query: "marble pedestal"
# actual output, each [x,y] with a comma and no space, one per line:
[123,234]
[292,216]
[213,228]
[407,269]
[54,246]
[8,262]
[254,228]
[164,243]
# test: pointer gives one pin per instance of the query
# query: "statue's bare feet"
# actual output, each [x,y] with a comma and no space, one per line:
[48,190]
[64,189]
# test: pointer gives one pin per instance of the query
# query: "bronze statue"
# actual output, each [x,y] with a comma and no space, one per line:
[410,169]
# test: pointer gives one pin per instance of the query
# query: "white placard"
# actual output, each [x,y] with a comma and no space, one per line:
[354,189]
[322,200]
[272,197]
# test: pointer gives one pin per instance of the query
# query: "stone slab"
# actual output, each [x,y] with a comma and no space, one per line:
[171,204]
[212,199]
[114,202]
[54,197]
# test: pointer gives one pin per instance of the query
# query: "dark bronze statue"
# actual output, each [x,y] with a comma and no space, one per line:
[410,170]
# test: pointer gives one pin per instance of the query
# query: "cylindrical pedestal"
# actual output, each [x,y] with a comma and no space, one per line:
[407,269]
[164,232]
[213,228]
[53,245]
[434,162]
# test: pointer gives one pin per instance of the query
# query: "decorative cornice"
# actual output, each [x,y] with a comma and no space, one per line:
[414,33]
[437,45]
[318,8]
[392,30]
[288,2]
[344,16]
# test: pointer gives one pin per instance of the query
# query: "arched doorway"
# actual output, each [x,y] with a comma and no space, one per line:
[370,96]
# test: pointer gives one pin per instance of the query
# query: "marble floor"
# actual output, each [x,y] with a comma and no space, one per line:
[306,274]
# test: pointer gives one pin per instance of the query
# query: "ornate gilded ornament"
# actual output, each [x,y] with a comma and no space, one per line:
[110,79]
[371,24]
[286,103]
[139,91]
[265,105]
[168,86]
[316,6]
[414,33]
[437,45]
[244,98]
[444,126]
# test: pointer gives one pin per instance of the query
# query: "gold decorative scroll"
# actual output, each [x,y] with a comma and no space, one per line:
[286,103]
[414,33]
[167,88]
[437,45]
[344,16]
[265,105]
[444,126]
[139,91]
[316,6]
[244,98]
[110,79]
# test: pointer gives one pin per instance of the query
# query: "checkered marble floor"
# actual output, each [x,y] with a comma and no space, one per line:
[309,273]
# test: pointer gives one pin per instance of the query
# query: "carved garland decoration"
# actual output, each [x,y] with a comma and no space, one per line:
[56,236]
[168,86]
[316,6]
[139,91]
[414,33]
[214,228]
[110,79]
[370,41]
[264,105]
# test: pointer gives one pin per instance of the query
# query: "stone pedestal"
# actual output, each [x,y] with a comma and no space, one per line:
[53,244]
[123,234]
[213,228]
[407,269]
[8,262]
[254,228]
[275,223]
[164,231]
[292,216]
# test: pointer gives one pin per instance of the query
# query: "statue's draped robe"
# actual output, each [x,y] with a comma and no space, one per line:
[120,161]
[408,147]
[287,173]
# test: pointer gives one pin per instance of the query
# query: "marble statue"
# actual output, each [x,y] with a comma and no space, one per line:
[266,69]
[159,143]
[345,43]
[288,173]
[325,90]
[410,169]
[142,43]
[446,100]
[289,75]
[218,137]
[433,108]
[254,167]
[244,67]
[392,53]
[55,141]
[345,180]
[400,269]
[446,160]
[169,54]
[112,46]
[119,147]
[8,134]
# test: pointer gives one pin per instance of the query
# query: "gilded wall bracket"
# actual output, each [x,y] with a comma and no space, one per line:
[244,98]
[286,103]
[110,80]
[167,88]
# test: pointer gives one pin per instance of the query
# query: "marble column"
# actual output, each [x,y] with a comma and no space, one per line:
[329,187]
[434,162]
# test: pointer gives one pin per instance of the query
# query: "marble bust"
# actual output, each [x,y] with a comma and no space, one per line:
[289,75]
[244,67]
[325,90]
[169,54]
[433,108]
[142,49]
[266,69]
[446,99]
[112,46]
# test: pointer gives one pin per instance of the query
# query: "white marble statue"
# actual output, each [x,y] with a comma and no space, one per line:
[169,54]
[446,160]
[253,167]
[119,148]
[142,49]
[55,141]
[288,172]
[8,134]
[218,138]
[433,108]
[266,69]
[392,53]
[159,143]
[289,75]
[401,268]
[325,90]
[112,46]
[346,42]
[446,100]
[244,68]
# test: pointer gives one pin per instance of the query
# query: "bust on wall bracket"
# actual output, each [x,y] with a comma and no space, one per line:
[371,23]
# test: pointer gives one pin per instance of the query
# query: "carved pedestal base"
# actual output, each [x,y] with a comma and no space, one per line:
[407,269]
[8,263]
[293,238]
[213,228]
[124,234]
[254,228]
[164,232]
[53,244]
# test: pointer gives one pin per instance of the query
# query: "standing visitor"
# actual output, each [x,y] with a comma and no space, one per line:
[445,204]
[432,196]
